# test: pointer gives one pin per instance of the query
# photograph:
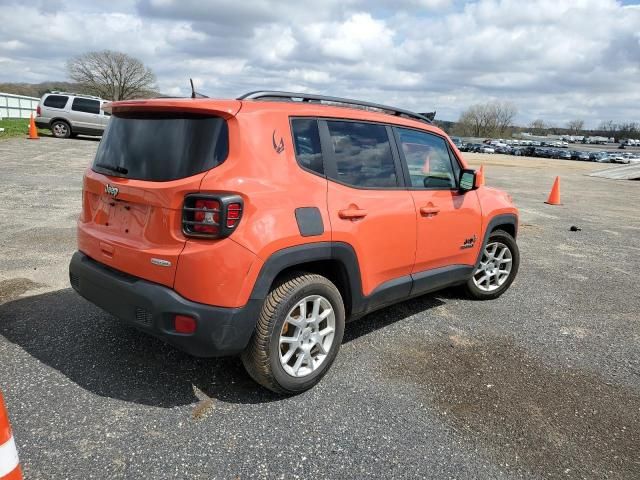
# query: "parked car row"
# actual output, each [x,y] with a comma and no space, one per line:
[477,147]
[549,152]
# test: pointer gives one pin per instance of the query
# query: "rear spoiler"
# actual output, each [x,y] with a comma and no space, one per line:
[223,108]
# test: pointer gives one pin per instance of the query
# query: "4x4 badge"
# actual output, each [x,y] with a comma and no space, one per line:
[278,147]
[111,190]
[469,242]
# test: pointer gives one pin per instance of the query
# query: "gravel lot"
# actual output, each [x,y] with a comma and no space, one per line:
[541,383]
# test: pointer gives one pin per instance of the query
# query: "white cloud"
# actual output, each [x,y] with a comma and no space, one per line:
[555,59]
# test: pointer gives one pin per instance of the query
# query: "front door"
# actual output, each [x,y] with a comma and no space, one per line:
[448,221]
[368,208]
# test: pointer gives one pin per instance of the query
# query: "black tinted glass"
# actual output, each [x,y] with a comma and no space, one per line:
[306,140]
[363,154]
[56,101]
[161,148]
[85,105]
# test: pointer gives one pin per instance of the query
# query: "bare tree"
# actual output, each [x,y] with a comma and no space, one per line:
[505,112]
[112,75]
[487,119]
[538,126]
[575,126]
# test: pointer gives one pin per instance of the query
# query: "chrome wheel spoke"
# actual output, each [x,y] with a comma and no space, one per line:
[287,356]
[316,308]
[298,364]
[288,339]
[321,348]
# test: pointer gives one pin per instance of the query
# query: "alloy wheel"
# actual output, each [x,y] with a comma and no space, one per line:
[494,268]
[307,336]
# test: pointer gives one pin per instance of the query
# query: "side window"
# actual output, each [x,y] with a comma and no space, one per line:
[306,140]
[428,159]
[56,101]
[85,105]
[363,154]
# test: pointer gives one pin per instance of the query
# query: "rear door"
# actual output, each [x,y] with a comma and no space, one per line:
[53,105]
[133,194]
[85,115]
[448,221]
[368,207]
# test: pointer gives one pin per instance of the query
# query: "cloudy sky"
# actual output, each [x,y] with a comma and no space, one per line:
[555,59]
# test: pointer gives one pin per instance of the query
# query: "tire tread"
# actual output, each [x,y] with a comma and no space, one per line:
[255,357]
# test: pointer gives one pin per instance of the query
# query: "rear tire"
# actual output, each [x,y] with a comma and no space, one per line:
[60,129]
[498,267]
[298,334]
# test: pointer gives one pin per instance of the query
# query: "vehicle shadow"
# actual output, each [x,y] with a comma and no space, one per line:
[111,359]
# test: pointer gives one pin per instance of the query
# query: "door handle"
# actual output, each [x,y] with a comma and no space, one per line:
[429,211]
[352,213]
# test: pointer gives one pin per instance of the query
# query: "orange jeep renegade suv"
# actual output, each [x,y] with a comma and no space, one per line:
[258,226]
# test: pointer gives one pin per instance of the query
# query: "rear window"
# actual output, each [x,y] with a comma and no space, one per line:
[306,139]
[362,154]
[85,105]
[56,101]
[161,147]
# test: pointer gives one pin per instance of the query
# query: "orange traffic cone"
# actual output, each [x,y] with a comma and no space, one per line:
[480,176]
[33,131]
[554,196]
[9,464]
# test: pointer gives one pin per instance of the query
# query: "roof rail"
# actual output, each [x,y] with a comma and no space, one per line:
[75,94]
[308,97]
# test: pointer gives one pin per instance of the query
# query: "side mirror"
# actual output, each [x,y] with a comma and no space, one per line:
[468,180]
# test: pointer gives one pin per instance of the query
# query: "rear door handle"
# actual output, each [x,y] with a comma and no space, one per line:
[352,213]
[428,211]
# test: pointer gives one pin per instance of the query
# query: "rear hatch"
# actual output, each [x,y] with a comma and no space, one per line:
[152,154]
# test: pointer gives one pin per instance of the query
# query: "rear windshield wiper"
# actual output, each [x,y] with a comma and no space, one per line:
[113,168]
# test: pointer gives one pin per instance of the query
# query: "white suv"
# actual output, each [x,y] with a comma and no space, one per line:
[70,114]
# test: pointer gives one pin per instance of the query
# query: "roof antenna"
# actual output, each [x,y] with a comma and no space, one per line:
[195,94]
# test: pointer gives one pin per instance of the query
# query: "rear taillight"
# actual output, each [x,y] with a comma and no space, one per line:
[38,111]
[207,216]
[211,216]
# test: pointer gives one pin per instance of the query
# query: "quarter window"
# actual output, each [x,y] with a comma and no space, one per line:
[428,160]
[362,154]
[85,105]
[306,140]
[56,101]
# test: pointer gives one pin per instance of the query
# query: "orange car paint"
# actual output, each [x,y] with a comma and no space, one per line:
[393,232]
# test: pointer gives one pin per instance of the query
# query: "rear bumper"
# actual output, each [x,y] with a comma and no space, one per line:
[41,123]
[151,308]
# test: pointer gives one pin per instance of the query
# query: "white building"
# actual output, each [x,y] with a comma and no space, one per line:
[17,106]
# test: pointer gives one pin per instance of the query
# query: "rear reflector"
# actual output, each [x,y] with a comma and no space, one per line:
[184,324]
[234,212]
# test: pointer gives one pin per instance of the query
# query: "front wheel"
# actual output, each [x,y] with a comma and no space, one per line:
[497,269]
[298,334]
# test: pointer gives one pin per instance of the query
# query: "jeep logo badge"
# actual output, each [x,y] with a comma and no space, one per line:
[111,190]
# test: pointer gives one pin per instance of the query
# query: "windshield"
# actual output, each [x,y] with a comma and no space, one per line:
[161,147]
